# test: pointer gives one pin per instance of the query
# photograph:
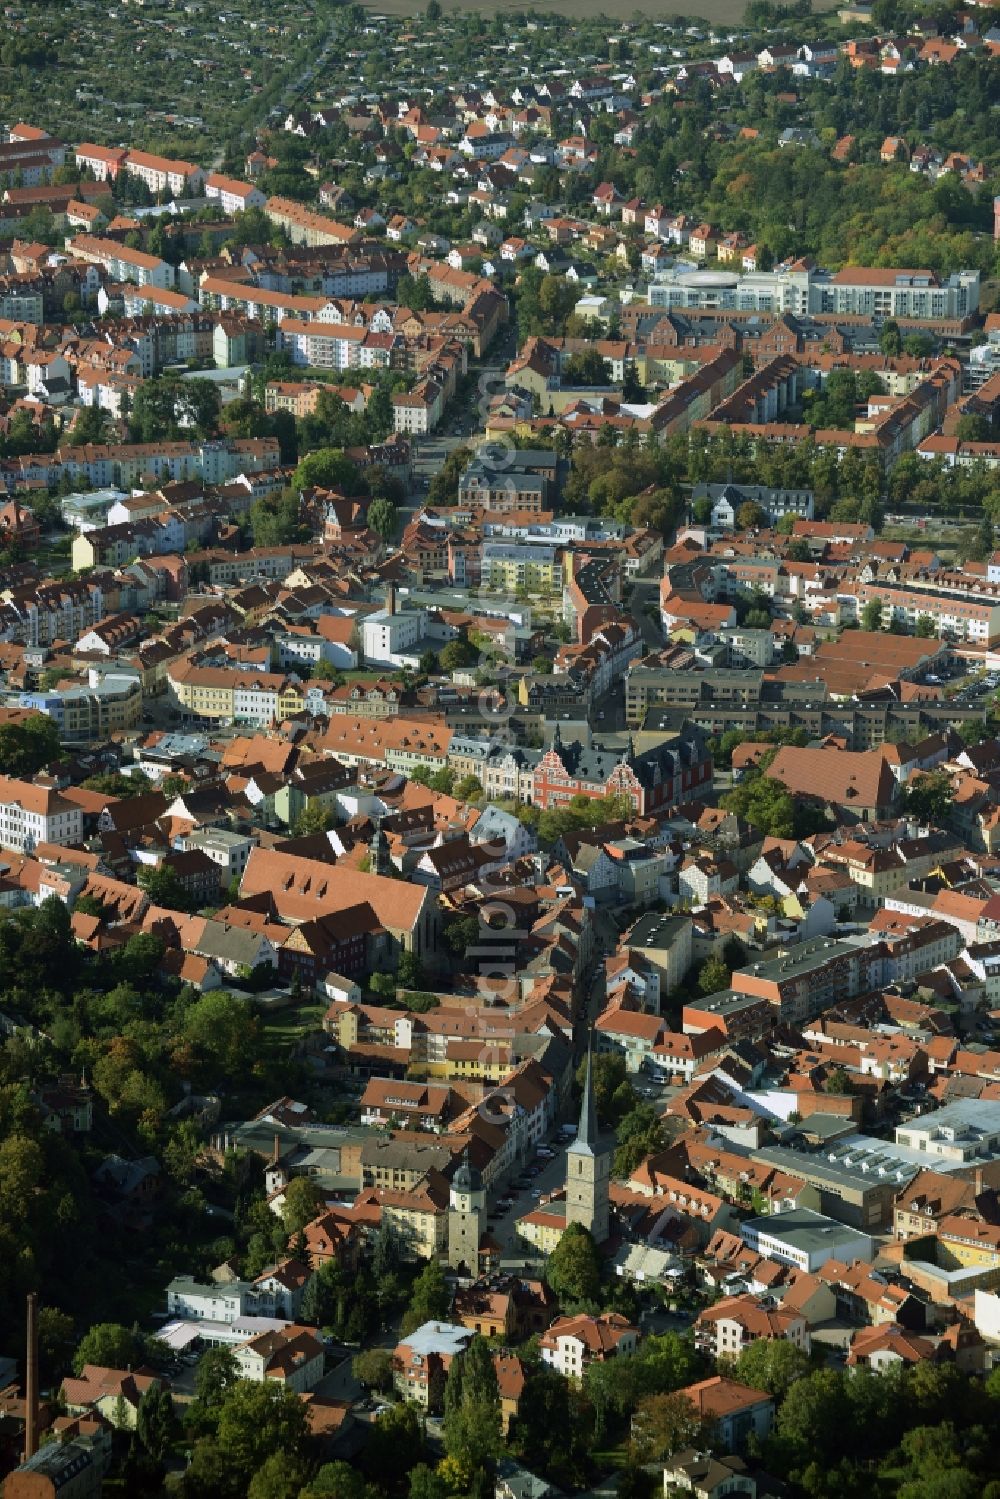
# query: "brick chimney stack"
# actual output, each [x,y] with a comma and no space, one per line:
[31,1380]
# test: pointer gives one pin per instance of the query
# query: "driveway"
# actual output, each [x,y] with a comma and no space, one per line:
[646,594]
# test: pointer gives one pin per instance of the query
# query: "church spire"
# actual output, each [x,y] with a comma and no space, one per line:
[586,1134]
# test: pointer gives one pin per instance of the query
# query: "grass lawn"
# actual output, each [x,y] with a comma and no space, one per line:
[284,1027]
[610,1458]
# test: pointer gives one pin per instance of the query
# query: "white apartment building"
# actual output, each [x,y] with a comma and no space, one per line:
[121,263]
[573,1342]
[163,173]
[335,346]
[232,195]
[102,162]
[863,291]
[31,814]
[390,639]
[256,701]
[418,411]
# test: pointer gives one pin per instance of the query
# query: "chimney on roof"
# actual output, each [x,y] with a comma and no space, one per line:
[31,1380]
[390,599]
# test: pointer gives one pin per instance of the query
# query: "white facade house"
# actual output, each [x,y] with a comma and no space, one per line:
[390,638]
[232,195]
[163,174]
[571,1343]
[121,263]
[224,847]
[211,1302]
[292,1356]
[31,814]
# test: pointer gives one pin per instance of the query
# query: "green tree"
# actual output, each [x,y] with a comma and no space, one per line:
[772,1364]
[462,934]
[214,1377]
[257,1421]
[109,1344]
[549,1433]
[973,427]
[588,367]
[871,615]
[472,1427]
[324,1302]
[430,1298]
[325,671]
[457,654]
[155,1423]
[613,1094]
[662,1425]
[55,1343]
[274,520]
[410,971]
[278,1477]
[26,747]
[313,818]
[640,1134]
[302,1201]
[325,468]
[337,1481]
[574,1267]
[164,887]
[925,627]
[467,789]
[224,1031]
[395,1447]
[373,1369]
[383,517]
[425,1483]
[929,796]
[713,976]
[749,516]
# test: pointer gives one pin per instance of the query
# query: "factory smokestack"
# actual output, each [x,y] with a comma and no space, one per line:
[31,1380]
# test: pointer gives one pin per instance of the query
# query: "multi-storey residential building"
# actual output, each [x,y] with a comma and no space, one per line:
[110,703]
[103,162]
[972,616]
[307,228]
[571,1343]
[334,346]
[30,815]
[52,611]
[121,263]
[812,977]
[858,291]
[162,174]
[510,566]
[232,195]
[732,1324]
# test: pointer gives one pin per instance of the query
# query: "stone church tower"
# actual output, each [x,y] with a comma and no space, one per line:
[588,1170]
[466,1217]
